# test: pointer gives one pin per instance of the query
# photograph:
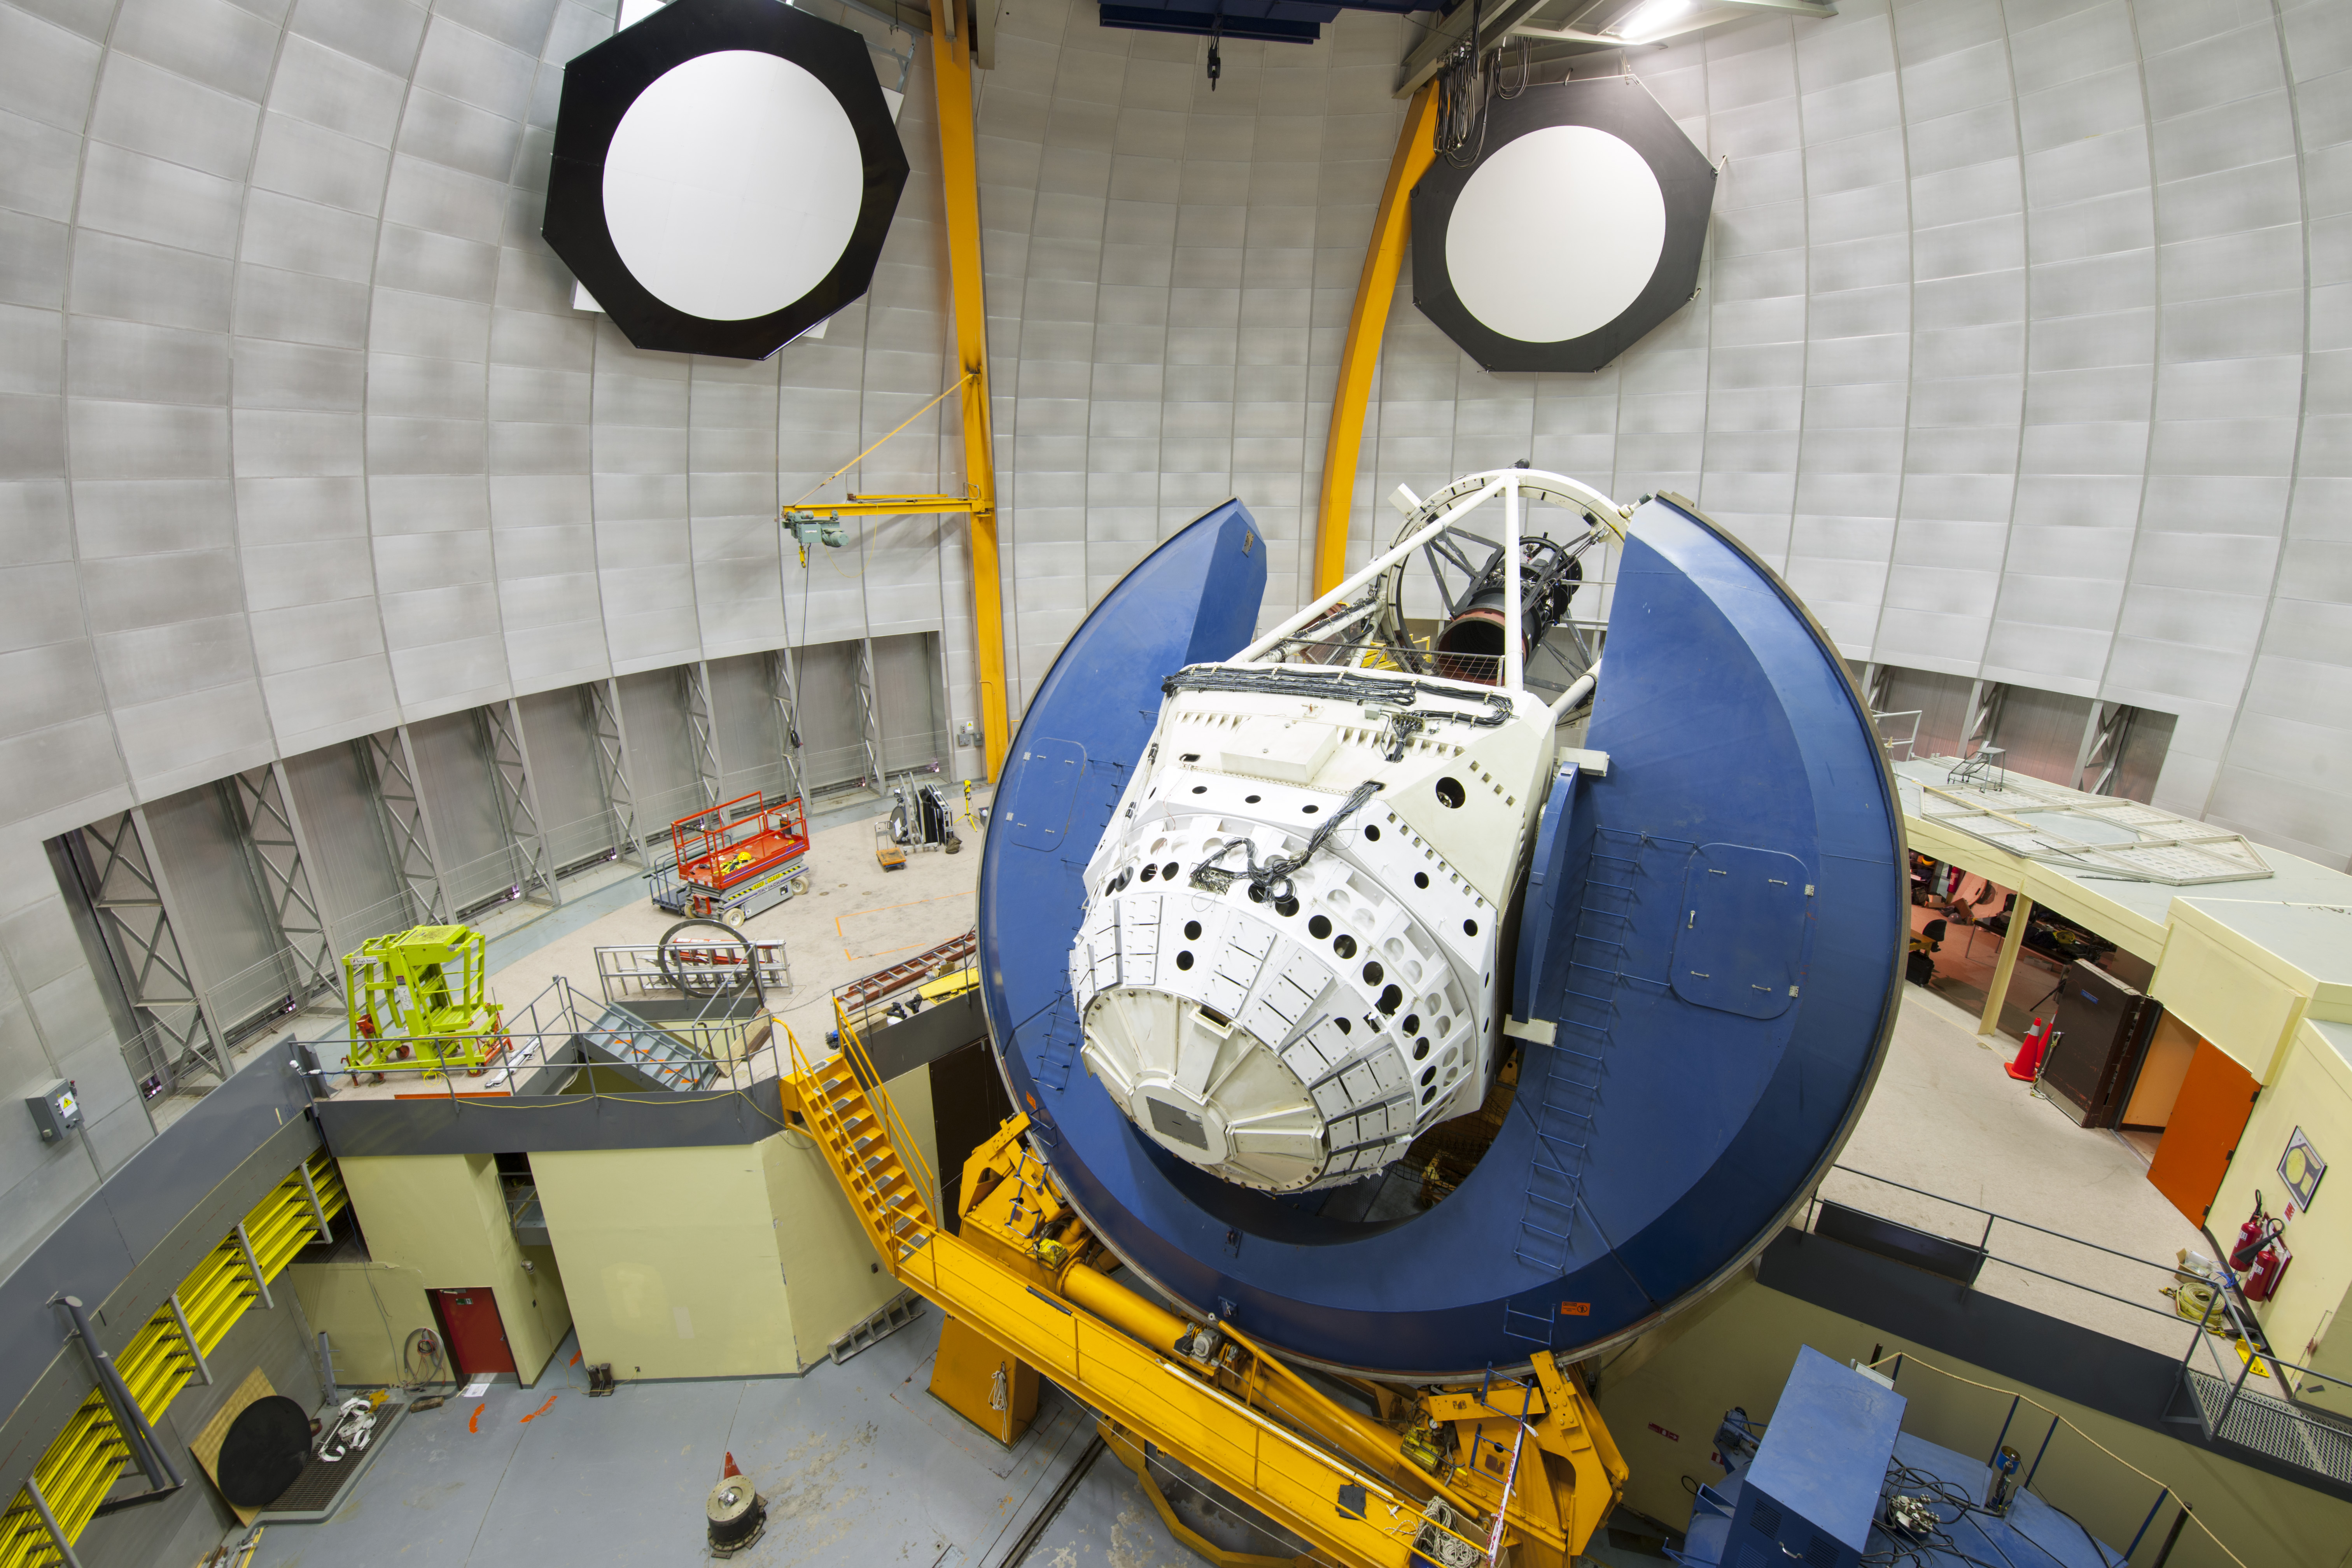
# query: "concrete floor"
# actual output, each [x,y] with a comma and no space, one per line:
[1947,1118]
[854,918]
[858,1464]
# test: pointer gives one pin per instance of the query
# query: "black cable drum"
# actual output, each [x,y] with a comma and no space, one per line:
[266,1449]
[736,1514]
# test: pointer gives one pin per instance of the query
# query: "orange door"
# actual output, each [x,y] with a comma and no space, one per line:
[2216,1097]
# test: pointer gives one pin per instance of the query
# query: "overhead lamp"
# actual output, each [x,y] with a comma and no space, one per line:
[1646,22]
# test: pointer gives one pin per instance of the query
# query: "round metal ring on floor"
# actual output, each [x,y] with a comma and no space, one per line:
[711,978]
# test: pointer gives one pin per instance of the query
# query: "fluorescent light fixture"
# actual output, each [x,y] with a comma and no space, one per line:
[1646,21]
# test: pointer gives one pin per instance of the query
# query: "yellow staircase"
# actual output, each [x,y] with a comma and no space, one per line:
[869,1149]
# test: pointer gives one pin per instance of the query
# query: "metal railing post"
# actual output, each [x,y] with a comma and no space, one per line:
[138,1437]
[49,1522]
[318,1209]
[188,1336]
[2005,1420]
[2146,1523]
[2028,1482]
[253,1265]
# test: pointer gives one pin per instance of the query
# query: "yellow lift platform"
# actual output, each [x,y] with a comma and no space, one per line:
[1513,1470]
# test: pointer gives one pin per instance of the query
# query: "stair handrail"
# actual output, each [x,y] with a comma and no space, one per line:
[895,1128]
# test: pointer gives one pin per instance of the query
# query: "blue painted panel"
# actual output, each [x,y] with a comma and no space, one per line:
[1039,808]
[1656,1145]
[1742,943]
[1552,870]
[1824,1453]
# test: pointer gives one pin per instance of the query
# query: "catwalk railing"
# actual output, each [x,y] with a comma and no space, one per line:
[2234,1388]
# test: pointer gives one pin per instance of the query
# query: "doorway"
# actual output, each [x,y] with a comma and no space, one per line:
[475,1333]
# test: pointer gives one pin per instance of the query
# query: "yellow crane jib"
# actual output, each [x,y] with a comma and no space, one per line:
[416,1000]
[1449,1474]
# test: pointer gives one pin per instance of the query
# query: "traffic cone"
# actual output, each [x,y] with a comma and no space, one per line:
[731,1469]
[2028,1064]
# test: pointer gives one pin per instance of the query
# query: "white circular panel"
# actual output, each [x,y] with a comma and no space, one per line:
[1556,234]
[732,185]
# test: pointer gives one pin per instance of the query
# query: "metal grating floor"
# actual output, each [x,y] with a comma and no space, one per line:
[2273,1427]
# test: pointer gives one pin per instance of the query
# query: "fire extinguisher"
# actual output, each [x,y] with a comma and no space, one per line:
[2268,1266]
[2251,1235]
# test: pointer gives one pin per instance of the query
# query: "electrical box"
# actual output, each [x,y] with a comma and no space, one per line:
[56,1110]
[1812,1492]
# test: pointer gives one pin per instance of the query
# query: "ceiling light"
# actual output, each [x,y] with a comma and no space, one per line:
[1646,22]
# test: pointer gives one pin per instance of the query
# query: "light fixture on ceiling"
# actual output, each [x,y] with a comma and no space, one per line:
[1646,22]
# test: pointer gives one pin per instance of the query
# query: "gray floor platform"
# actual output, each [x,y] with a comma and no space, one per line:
[857,1462]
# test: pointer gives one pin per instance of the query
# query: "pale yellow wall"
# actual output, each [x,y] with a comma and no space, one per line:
[442,1214]
[2224,994]
[2314,1091]
[670,1259]
[367,1311]
[1737,1348]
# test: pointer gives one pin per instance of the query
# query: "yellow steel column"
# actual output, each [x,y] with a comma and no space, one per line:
[2011,940]
[1362,351]
[960,173]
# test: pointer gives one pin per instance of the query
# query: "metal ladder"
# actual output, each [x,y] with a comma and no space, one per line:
[1563,1085]
[630,1043]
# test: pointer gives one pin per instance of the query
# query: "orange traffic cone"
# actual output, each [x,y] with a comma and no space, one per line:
[731,1469]
[2028,1064]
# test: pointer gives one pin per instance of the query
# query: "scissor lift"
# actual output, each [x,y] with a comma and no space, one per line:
[731,861]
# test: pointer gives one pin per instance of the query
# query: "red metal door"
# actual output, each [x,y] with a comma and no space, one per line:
[477,1337]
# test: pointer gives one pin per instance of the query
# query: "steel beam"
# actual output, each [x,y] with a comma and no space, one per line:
[131,896]
[702,728]
[952,26]
[388,767]
[260,805]
[1367,324]
[869,716]
[603,701]
[509,755]
[785,690]
[2104,735]
[1986,699]
[1429,57]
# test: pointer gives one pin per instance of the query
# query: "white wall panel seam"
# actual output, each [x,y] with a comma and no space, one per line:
[2025,336]
[2156,358]
[1804,347]
[1911,327]
[236,537]
[2303,416]
[515,175]
[65,425]
[367,339]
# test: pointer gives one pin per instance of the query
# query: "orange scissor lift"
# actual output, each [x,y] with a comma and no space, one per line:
[733,860]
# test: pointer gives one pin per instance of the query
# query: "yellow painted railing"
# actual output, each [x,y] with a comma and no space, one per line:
[1311,1487]
[84,1462]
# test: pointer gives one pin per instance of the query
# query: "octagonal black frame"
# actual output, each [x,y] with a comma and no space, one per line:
[599,86]
[1624,109]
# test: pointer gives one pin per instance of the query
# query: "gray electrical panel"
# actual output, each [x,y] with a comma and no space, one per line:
[56,1110]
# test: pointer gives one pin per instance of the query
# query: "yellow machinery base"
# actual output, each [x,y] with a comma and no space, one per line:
[1127,1448]
[979,1382]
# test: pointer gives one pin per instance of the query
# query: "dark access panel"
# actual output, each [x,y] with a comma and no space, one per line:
[2096,1040]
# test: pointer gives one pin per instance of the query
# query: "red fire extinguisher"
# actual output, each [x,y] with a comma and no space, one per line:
[2268,1266]
[2252,1237]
